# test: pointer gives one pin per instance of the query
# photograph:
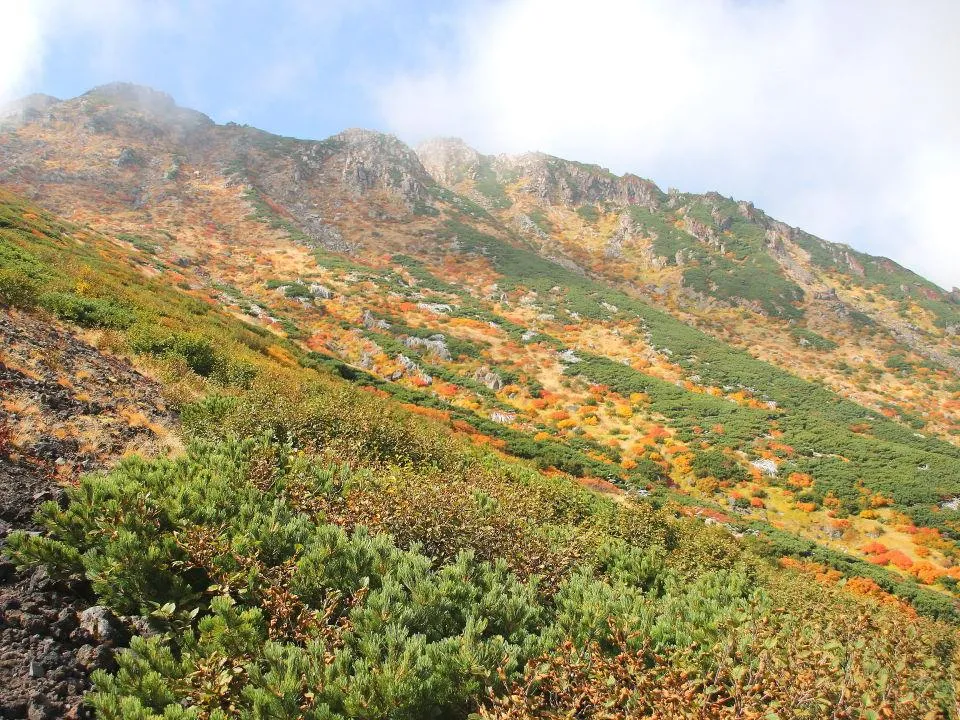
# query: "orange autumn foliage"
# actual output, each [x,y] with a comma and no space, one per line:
[821,572]
[865,587]
[899,559]
[799,480]
[432,413]
[879,500]
[446,390]
[463,426]
[927,573]
[874,548]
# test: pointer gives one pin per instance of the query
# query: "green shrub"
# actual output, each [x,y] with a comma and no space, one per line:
[716,463]
[813,340]
[17,288]
[589,213]
[898,363]
[88,312]
[198,351]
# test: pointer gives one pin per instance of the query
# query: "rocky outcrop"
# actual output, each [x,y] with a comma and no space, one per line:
[436,344]
[410,368]
[374,323]
[370,160]
[766,466]
[321,291]
[909,336]
[747,210]
[855,267]
[324,235]
[781,247]
[448,160]
[702,232]
[528,227]
[551,180]
[625,233]
[486,376]
[435,308]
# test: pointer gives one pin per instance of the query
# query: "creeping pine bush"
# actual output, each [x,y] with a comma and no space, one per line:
[88,312]
[17,288]
[305,619]
[716,464]
[264,609]
[196,350]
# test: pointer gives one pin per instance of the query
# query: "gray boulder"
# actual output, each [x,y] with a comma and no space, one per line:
[103,625]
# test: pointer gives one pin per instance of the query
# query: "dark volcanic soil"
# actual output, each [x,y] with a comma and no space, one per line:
[65,408]
[41,643]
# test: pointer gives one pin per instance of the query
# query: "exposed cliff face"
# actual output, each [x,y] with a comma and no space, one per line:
[549,179]
[563,182]
[370,160]
[449,160]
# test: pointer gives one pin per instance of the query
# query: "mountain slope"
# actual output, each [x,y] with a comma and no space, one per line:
[589,322]
[320,552]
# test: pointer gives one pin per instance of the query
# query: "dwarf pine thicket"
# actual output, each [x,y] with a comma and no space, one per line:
[278,589]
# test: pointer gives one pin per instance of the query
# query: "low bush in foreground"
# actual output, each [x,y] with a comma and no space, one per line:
[271,600]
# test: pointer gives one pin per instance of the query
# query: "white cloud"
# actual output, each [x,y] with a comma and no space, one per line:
[109,30]
[22,48]
[842,118]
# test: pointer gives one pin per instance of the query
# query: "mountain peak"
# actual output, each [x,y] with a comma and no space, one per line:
[131,93]
[27,108]
[147,100]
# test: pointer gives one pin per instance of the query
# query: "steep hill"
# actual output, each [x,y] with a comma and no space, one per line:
[682,355]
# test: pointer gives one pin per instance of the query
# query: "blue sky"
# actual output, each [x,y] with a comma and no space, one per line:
[839,117]
[294,68]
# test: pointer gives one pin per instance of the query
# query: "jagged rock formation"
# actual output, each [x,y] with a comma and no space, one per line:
[371,160]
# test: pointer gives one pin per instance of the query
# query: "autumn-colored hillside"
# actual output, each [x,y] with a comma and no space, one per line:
[686,348]
[298,429]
